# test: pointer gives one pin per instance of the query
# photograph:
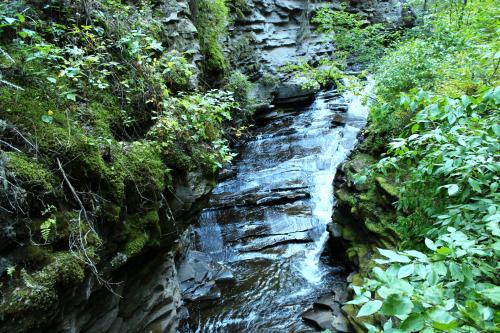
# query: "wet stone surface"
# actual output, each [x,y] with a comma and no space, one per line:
[256,265]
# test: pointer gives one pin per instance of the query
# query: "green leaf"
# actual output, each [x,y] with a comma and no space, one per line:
[474,184]
[393,256]
[51,79]
[416,254]
[406,270]
[430,244]
[358,300]
[453,189]
[414,323]
[369,308]
[492,294]
[444,251]
[47,119]
[443,320]
[9,20]
[71,97]
[414,128]
[396,305]
[456,272]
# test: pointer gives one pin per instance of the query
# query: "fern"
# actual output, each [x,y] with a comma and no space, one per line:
[46,227]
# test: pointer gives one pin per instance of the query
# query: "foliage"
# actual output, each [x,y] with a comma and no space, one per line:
[326,73]
[197,118]
[239,7]
[98,113]
[240,86]
[437,93]
[453,180]
[353,36]
[435,56]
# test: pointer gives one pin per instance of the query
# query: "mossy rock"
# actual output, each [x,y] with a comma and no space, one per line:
[30,172]
[40,290]
[388,186]
[136,244]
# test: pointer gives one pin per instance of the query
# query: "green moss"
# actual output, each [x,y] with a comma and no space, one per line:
[40,290]
[388,186]
[37,256]
[240,8]
[212,17]
[100,118]
[30,172]
[136,244]
[145,166]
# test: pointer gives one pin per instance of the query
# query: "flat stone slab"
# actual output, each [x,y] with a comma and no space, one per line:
[322,319]
[198,274]
[328,302]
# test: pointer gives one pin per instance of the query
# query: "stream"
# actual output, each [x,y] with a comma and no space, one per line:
[261,239]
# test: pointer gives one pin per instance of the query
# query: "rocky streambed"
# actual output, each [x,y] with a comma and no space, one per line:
[256,262]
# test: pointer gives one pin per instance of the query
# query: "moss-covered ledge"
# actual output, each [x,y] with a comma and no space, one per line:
[362,221]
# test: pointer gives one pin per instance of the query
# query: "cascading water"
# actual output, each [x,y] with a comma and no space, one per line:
[267,225]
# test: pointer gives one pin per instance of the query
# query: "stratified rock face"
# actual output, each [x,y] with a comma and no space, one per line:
[279,32]
[150,298]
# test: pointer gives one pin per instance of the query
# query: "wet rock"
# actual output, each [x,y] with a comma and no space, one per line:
[338,107]
[328,302]
[198,274]
[150,297]
[294,92]
[322,319]
[340,323]
[270,241]
[188,190]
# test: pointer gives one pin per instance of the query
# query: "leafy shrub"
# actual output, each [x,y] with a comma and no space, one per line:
[326,73]
[353,36]
[451,177]
[443,158]
[240,86]
[196,118]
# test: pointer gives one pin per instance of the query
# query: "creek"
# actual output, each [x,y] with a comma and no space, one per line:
[256,263]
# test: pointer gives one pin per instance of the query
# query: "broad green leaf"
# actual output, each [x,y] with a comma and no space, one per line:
[444,251]
[414,323]
[358,300]
[430,244]
[396,305]
[393,256]
[47,119]
[416,254]
[369,308]
[406,271]
[492,294]
[443,320]
[9,20]
[453,189]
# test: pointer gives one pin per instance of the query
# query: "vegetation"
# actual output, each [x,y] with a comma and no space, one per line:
[355,38]
[436,107]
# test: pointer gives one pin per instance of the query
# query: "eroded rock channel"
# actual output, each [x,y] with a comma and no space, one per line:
[256,263]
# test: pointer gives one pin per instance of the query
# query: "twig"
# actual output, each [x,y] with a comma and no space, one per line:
[10,146]
[79,243]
